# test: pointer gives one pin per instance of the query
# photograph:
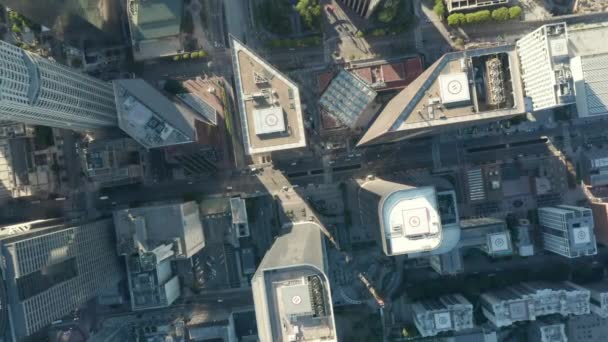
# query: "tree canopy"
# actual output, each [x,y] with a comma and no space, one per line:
[310,10]
[388,12]
[439,8]
[500,14]
[514,12]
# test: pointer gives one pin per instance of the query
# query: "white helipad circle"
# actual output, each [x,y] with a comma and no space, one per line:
[582,234]
[454,87]
[414,221]
[499,242]
[296,300]
[271,120]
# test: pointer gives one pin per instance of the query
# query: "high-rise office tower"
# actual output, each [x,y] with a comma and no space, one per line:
[36,91]
[49,268]
[291,291]
[567,230]
[411,220]
[545,67]
[446,313]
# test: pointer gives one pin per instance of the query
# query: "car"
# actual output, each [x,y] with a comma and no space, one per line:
[229,188]
[103,198]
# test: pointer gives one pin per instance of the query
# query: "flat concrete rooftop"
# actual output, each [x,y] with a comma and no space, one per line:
[291,292]
[421,107]
[259,87]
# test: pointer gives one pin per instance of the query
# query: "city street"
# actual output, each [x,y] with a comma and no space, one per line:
[379,160]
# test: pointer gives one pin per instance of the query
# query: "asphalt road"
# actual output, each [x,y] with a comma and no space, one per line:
[377,160]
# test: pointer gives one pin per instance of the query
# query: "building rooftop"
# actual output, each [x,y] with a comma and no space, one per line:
[599,298]
[582,39]
[240,223]
[387,76]
[545,66]
[446,313]
[154,19]
[461,88]
[347,98]
[526,301]
[145,228]
[114,161]
[155,27]
[459,5]
[590,75]
[152,282]
[291,290]
[410,221]
[149,117]
[204,97]
[269,104]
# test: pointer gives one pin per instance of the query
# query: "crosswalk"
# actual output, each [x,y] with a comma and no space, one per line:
[476,188]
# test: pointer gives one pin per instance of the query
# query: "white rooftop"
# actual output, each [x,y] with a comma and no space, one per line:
[269,120]
[295,299]
[443,320]
[454,88]
[590,75]
[410,221]
[499,242]
[581,235]
[559,46]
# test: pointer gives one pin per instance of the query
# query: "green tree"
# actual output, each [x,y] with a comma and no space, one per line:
[16,29]
[310,10]
[456,19]
[388,12]
[359,34]
[478,17]
[378,32]
[176,58]
[439,8]
[500,14]
[514,12]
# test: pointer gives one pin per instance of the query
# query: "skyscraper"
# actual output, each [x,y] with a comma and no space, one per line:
[411,220]
[291,290]
[49,269]
[446,313]
[567,230]
[545,67]
[36,91]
